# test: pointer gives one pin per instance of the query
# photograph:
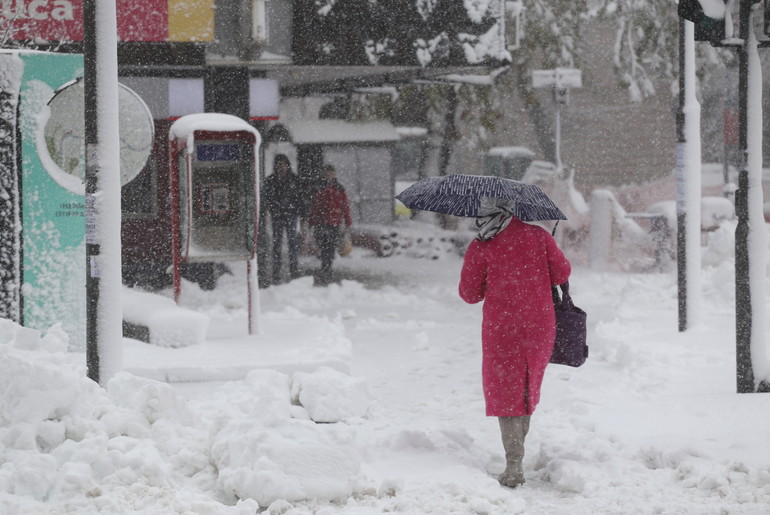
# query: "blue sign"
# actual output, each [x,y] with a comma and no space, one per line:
[231,152]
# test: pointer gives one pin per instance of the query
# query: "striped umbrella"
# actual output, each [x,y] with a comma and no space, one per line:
[469,195]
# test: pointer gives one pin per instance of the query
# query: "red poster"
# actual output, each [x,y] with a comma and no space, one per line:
[62,20]
[56,20]
[145,20]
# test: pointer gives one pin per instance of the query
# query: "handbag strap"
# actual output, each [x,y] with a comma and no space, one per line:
[566,299]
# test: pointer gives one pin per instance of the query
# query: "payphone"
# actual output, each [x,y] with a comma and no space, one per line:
[214,182]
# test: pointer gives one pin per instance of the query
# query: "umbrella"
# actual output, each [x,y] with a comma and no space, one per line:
[471,195]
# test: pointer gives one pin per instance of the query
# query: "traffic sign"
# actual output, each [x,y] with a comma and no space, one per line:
[543,78]
[559,78]
[569,78]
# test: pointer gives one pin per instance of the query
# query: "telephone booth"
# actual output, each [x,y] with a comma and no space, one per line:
[214,183]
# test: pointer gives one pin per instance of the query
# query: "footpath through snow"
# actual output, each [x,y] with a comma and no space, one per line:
[368,400]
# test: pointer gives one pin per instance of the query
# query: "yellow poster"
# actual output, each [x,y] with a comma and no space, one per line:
[190,20]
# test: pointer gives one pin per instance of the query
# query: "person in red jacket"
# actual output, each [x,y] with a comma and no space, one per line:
[511,266]
[329,210]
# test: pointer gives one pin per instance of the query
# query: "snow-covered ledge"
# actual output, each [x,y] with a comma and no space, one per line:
[160,321]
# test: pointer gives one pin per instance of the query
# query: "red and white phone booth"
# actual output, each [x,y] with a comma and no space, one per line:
[214,183]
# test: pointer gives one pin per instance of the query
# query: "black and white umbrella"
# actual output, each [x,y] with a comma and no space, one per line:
[474,195]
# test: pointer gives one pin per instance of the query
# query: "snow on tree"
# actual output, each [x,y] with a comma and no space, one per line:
[425,33]
[646,45]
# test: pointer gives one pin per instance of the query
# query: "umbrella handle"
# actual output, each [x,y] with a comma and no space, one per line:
[553,231]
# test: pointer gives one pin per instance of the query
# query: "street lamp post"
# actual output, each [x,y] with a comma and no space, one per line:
[102,189]
[749,235]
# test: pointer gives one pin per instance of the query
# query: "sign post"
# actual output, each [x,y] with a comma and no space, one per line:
[560,80]
[688,181]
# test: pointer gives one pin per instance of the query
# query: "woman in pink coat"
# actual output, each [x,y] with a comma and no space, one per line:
[512,266]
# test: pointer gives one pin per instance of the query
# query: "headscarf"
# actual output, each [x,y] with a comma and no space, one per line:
[494,216]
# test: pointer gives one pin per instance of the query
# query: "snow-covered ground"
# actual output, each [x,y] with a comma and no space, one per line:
[359,400]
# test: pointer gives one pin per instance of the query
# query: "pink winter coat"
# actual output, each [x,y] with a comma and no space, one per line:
[513,273]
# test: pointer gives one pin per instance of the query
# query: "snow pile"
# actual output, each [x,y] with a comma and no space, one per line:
[714,211]
[720,250]
[267,449]
[168,325]
[137,446]
[331,396]
[66,444]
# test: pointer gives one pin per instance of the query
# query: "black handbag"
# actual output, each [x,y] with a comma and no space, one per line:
[570,347]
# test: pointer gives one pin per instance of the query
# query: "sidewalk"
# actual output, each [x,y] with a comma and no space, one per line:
[288,341]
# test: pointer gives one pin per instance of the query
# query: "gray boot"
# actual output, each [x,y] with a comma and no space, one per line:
[514,431]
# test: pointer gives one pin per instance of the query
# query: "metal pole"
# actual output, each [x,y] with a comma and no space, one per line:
[91,184]
[743,308]
[102,191]
[681,216]
[253,295]
[557,150]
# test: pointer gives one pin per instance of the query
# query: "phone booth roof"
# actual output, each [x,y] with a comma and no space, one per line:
[183,130]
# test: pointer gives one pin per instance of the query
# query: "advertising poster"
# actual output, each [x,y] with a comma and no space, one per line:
[148,20]
[52,206]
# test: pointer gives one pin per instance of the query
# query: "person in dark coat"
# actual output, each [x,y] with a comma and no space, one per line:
[511,266]
[282,197]
[329,210]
